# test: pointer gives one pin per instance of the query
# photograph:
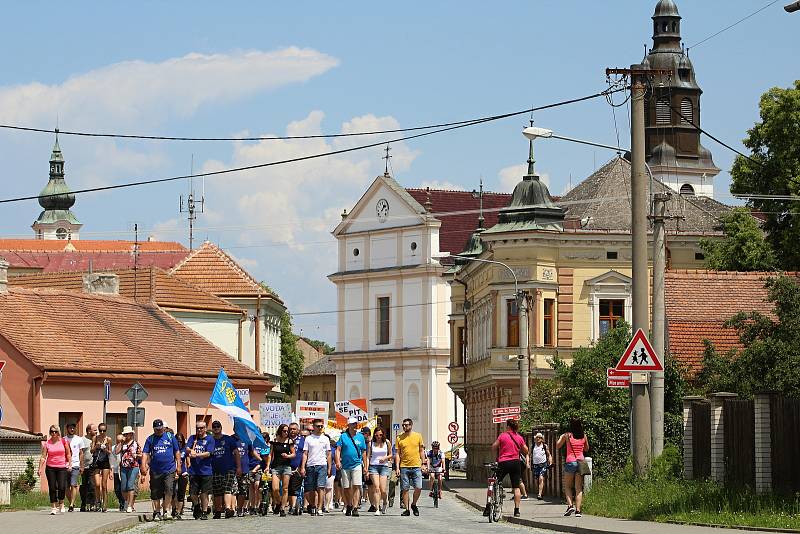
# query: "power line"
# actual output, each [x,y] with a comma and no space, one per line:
[726,28]
[313,156]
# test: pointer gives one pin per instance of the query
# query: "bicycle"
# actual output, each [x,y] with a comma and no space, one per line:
[495,494]
[435,489]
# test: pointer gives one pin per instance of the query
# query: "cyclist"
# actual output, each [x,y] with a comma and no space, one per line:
[510,448]
[434,464]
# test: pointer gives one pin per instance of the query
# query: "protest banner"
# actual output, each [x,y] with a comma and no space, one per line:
[274,414]
[353,408]
[309,410]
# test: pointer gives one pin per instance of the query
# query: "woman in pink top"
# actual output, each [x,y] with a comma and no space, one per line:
[56,462]
[576,444]
[510,448]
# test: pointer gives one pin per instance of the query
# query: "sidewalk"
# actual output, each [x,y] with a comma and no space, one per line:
[550,515]
[74,522]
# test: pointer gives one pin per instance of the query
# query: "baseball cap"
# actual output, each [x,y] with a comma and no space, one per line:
[352,421]
[158,423]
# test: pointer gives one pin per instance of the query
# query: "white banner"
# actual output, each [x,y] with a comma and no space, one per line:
[312,410]
[352,408]
[244,394]
[274,414]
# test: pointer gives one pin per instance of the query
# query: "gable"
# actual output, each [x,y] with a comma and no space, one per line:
[398,209]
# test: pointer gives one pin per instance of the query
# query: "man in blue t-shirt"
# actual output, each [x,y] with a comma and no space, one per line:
[199,448]
[247,456]
[225,465]
[296,480]
[161,456]
[351,461]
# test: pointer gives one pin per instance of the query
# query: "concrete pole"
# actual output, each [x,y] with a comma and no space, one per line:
[640,397]
[659,312]
[524,361]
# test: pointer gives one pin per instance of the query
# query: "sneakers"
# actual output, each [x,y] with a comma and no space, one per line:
[217,515]
[355,512]
[415,509]
[569,511]
[377,512]
[229,513]
[539,497]
[318,512]
[348,510]
[128,510]
[516,512]
[204,517]
[372,509]
[524,497]
[405,513]
[63,509]
[156,516]
[577,513]
[283,513]
[53,511]
[71,508]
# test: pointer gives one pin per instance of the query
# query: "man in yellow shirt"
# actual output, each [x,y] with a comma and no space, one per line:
[409,456]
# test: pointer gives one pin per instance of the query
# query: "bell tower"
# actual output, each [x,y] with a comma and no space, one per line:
[56,221]
[674,152]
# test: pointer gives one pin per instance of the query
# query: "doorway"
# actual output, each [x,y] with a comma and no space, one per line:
[385,422]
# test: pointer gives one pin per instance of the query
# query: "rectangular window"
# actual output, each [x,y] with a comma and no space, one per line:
[65,418]
[611,312]
[462,344]
[549,322]
[383,320]
[114,423]
[512,323]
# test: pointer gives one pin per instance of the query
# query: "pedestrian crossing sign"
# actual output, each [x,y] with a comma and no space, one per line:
[639,356]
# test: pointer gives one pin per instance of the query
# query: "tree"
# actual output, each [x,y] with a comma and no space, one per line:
[744,247]
[770,359]
[579,389]
[321,346]
[292,361]
[774,169]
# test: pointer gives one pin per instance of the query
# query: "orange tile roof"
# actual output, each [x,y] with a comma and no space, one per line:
[65,331]
[142,285]
[212,270]
[87,245]
[698,302]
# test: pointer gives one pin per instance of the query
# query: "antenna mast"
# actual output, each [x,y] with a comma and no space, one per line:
[192,207]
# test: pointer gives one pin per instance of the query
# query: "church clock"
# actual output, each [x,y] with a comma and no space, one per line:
[382,209]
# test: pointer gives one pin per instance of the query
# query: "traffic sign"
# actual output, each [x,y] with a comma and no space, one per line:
[453,426]
[136,394]
[503,418]
[639,356]
[2,364]
[618,382]
[106,390]
[613,373]
[138,413]
[508,410]
[396,427]
[452,438]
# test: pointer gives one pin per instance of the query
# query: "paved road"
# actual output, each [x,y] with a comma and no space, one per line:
[450,517]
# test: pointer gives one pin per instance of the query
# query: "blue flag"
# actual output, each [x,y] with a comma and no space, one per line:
[225,398]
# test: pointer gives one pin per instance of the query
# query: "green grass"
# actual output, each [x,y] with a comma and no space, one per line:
[690,501]
[36,499]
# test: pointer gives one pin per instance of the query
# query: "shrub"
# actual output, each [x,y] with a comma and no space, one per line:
[26,481]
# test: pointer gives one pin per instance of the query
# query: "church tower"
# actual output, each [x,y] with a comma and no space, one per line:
[56,221]
[674,152]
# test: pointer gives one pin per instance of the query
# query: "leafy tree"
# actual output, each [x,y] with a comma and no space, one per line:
[744,247]
[292,360]
[579,390]
[774,169]
[770,359]
[320,345]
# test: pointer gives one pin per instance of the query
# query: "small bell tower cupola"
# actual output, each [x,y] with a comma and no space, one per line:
[56,221]
[674,151]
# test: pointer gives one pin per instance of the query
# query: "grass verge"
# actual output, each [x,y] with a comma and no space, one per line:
[691,501]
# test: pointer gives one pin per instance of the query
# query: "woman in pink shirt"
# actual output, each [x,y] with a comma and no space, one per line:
[510,448]
[576,444]
[55,463]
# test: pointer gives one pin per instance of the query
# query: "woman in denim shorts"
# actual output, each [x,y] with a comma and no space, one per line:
[576,444]
[380,465]
[281,468]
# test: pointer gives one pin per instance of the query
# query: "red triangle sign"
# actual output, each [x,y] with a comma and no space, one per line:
[639,356]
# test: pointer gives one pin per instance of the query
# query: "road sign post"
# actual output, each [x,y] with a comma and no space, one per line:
[136,394]
[452,438]
[453,427]
[106,396]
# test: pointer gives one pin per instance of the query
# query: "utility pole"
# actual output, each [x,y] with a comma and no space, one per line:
[659,266]
[641,432]
[524,356]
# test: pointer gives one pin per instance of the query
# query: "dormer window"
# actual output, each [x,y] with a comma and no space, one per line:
[687,189]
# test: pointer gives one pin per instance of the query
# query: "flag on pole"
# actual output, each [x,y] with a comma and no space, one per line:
[225,398]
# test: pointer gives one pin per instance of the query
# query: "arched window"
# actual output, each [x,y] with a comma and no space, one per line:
[687,110]
[354,393]
[412,402]
[662,111]
[687,189]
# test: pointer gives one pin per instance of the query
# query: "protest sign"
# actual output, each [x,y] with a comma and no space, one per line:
[353,408]
[274,414]
[308,410]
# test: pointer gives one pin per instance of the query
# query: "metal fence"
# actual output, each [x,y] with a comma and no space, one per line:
[785,426]
[739,417]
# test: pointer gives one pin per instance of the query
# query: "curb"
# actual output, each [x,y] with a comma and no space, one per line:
[124,523]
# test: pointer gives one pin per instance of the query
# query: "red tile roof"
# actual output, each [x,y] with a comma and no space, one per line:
[212,270]
[699,301]
[65,331]
[87,245]
[143,285]
[456,229]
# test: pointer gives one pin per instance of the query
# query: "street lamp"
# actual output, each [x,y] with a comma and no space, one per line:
[524,361]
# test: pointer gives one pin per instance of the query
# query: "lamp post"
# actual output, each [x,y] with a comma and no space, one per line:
[524,359]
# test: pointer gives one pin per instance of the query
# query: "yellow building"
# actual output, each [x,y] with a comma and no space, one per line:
[572,259]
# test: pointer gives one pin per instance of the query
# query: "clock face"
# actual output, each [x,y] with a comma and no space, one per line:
[382,209]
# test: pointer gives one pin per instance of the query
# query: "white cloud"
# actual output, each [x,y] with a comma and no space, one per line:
[141,92]
[512,175]
[439,184]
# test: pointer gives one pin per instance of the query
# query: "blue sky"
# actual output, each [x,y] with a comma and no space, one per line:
[226,69]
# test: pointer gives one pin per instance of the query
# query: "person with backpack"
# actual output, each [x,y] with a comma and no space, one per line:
[161,457]
[129,456]
[509,448]
[55,462]
[542,460]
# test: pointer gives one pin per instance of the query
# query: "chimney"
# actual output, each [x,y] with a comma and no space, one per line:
[3,276]
[101,284]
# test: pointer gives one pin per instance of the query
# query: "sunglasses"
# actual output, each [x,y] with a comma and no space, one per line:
[318,426]
[54,432]
[102,430]
[284,430]
[200,428]
[406,424]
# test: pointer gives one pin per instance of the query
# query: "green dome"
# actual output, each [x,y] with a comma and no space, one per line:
[56,195]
